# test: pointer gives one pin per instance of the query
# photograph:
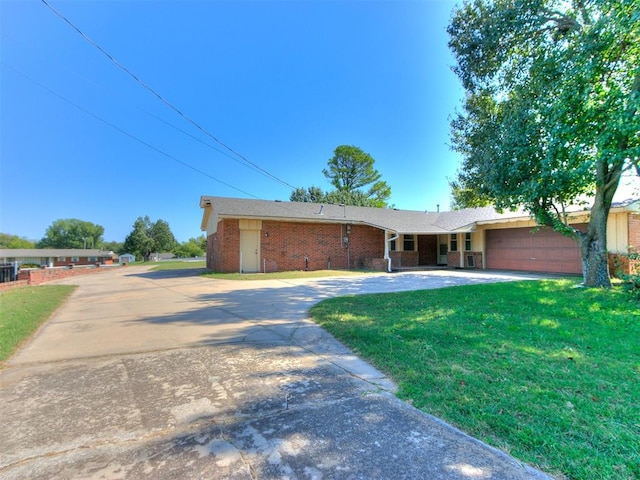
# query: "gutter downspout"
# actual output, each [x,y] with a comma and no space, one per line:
[387,242]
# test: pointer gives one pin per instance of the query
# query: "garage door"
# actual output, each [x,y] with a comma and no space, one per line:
[542,251]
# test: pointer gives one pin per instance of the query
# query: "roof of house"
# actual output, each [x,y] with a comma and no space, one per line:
[52,252]
[399,221]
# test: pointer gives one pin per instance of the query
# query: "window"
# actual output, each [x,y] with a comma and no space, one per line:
[408,243]
[62,259]
[75,259]
[392,245]
[467,241]
[92,259]
[453,242]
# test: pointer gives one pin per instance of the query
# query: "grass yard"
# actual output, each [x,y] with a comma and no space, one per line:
[24,310]
[287,275]
[175,265]
[544,370]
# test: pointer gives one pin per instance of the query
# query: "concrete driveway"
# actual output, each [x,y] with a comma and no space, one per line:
[170,375]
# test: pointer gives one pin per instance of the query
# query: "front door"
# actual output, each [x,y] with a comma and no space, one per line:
[443,247]
[249,251]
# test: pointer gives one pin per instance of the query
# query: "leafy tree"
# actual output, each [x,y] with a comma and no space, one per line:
[148,237]
[72,233]
[14,241]
[194,247]
[350,170]
[552,112]
[311,194]
[116,247]
[138,242]
[355,180]
[163,239]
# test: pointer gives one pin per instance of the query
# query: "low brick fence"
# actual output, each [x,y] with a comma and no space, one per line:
[9,285]
[43,275]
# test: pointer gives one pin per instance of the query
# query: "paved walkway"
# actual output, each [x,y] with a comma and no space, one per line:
[161,375]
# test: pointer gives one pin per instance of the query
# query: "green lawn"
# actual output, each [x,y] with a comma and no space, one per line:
[544,370]
[23,310]
[175,265]
[287,275]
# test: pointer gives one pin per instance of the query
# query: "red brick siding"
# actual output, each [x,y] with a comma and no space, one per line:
[317,246]
[43,275]
[404,258]
[9,285]
[223,247]
[477,259]
[620,265]
[288,246]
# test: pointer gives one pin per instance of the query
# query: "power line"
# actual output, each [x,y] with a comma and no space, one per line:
[124,132]
[122,99]
[163,100]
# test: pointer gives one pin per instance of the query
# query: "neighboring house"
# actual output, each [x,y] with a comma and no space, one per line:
[56,257]
[266,236]
[126,258]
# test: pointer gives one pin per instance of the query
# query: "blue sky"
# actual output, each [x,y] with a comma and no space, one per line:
[281,83]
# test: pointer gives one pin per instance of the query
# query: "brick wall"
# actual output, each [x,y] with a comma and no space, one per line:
[9,285]
[404,259]
[453,259]
[620,264]
[43,275]
[318,246]
[286,246]
[223,247]
[477,260]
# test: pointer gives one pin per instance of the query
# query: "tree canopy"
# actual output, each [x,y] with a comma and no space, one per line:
[551,115]
[148,237]
[355,180]
[14,241]
[194,247]
[72,233]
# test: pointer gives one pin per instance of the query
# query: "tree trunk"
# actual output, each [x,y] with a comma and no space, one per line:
[595,263]
[593,243]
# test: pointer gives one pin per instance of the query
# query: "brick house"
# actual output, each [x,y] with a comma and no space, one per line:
[266,236]
[56,257]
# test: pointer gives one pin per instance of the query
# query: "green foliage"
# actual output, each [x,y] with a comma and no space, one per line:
[178,265]
[356,182]
[194,247]
[350,171]
[24,310]
[116,247]
[631,281]
[72,233]
[543,370]
[14,241]
[311,194]
[148,237]
[552,109]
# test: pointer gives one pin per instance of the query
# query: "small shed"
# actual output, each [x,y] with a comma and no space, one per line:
[126,258]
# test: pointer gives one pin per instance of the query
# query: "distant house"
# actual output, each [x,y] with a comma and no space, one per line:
[126,258]
[263,236]
[56,257]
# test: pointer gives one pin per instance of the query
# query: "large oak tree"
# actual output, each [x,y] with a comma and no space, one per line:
[552,112]
[148,237]
[72,233]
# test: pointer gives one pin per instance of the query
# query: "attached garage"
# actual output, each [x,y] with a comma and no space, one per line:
[541,251]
